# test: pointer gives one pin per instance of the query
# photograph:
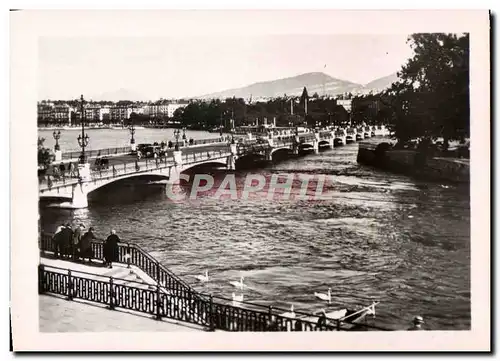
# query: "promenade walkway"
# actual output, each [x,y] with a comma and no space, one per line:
[57,314]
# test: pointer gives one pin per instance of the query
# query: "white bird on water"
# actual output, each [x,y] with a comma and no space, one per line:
[238,284]
[203,278]
[237,299]
[324,297]
[290,314]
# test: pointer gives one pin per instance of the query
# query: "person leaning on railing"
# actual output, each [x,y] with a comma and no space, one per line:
[77,237]
[86,245]
[111,249]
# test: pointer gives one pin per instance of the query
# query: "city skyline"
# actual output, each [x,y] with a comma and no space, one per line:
[151,68]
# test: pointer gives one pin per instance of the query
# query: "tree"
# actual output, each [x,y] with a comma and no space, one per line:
[45,156]
[432,98]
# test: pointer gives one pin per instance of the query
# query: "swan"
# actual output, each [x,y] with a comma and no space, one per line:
[237,299]
[203,278]
[239,284]
[324,297]
[290,314]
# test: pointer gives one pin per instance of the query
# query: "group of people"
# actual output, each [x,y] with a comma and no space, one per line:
[76,244]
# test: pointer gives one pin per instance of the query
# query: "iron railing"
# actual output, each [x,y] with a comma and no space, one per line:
[97,153]
[134,167]
[131,254]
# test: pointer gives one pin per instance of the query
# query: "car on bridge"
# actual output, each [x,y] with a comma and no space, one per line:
[149,150]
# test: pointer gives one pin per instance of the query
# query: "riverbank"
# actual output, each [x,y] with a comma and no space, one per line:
[380,154]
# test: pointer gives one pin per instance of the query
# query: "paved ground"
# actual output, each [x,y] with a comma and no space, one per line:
[60,315]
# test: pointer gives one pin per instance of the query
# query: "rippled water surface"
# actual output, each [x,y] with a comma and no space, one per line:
[380,237]
[106,138]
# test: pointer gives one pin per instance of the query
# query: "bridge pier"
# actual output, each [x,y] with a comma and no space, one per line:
[79,196]
[231,159]
[296,144]
[84,171]
[175,171]
[58,155]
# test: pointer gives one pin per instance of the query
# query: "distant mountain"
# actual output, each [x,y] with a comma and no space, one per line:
[120,94]
[314,82]
[380,84]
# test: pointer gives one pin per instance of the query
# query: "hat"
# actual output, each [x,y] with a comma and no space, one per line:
[82,225]
[418,319]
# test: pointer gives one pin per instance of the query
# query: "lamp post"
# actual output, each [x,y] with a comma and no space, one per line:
[220,127]
[177,133]
[83,139]
[184,138]
[131,129]
[57,136]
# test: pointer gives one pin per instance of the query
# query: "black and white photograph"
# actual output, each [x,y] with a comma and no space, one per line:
[220,172]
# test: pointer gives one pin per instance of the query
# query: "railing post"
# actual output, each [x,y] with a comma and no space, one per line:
[158,302]
[111,294]
[41,277]
[158,272]
[338,325]
[70,286]
[270,315]
[211,314]
[129,255]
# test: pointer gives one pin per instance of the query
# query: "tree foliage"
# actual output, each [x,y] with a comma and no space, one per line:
[45,156]
[432,98]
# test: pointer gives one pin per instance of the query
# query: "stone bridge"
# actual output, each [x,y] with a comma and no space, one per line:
[76,189]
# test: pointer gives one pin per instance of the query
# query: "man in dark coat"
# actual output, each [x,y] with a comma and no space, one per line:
[67,240]
[77,237]
[111,249]
[86,245]
[58,241]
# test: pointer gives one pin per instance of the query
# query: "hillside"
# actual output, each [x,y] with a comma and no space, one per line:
[117,95]
[381,83]
[314,83]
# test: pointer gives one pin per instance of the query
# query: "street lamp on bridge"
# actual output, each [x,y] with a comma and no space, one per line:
[177,133]
[83,139]
[131,129]
[57,136]
[184,138]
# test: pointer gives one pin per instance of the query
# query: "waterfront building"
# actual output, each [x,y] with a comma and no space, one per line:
[346,103]
[119,113]
[92,112]
[49,112]
[172,107]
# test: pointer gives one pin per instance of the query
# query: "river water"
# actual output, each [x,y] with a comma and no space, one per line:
[115,138]
[380,236]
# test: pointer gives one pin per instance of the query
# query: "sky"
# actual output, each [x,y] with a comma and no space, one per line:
[178,65]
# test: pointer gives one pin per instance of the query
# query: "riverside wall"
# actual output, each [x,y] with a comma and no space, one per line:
[410,162]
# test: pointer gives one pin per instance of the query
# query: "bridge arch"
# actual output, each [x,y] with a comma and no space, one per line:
[280,150]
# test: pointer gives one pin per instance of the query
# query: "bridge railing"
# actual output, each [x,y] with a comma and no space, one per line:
[133,167]
[252,148]
[97,153]
[182,305]
[202,156]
